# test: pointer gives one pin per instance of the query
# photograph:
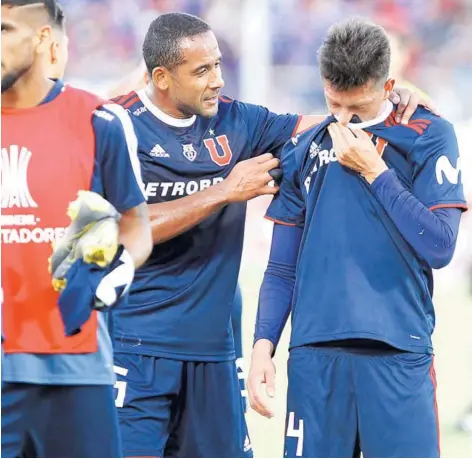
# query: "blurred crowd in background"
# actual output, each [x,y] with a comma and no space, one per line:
[431,51]
[432,42]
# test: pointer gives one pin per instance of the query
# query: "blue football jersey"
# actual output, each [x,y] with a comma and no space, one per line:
[357,277]
[180,303]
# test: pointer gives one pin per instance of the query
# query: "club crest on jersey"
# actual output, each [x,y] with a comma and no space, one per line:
[189,152]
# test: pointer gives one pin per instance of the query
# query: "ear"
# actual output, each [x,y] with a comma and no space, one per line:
[389,85]
[160,78]
[43,40]
[53,52]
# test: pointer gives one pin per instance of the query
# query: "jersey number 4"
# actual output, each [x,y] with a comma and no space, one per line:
[295,433]
[225,158]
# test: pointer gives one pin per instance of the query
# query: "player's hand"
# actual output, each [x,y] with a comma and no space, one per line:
[93,237]
[262,372]
[251,178]
[355,150]
[408,102]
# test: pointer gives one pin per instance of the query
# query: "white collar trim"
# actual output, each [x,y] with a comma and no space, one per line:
[384,113]
[164,117]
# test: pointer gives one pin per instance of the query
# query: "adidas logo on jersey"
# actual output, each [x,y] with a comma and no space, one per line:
[158,152]
[314,149]
[139,111]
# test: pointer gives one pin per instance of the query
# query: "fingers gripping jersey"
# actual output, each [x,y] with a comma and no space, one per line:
[357,277]
[180,302]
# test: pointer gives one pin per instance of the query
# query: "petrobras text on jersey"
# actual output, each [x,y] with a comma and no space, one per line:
[178,188]
[325,157]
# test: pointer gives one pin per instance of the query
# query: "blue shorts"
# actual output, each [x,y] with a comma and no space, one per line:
[342,401]
[236,319]
[59,421]
[174,408]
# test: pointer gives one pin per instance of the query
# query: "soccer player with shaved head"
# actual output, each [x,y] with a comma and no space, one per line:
[57,383]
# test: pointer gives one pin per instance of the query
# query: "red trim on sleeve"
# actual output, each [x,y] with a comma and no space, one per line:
[225,99]
[130,102]
[278,221]
[300,117]
[446,206]
[121,100]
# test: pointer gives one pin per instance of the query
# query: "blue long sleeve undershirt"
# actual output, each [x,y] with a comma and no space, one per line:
[275,296]
[431,233]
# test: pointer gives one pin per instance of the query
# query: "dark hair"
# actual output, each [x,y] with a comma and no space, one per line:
[161,47]
[353,53]
[54,10]
[60,18]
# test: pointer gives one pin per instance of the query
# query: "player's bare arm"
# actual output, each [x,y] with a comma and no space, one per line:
[135,233]
[248,179]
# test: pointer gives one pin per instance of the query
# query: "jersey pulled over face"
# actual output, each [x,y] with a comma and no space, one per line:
[357,277]
[181,299]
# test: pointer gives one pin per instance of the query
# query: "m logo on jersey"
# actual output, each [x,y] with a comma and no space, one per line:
[189,152]
[15,191]
[225,158]
[444,168]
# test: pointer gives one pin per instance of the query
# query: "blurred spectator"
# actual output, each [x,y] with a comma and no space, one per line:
[434,35]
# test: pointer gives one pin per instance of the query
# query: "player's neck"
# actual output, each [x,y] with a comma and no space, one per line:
[163,103]
[27,92]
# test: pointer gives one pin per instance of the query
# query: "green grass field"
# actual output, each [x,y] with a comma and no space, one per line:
[453,342]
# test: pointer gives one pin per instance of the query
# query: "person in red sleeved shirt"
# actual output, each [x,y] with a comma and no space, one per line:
[56,141]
